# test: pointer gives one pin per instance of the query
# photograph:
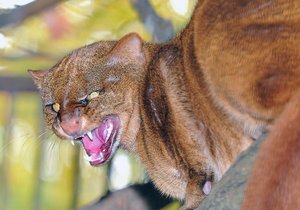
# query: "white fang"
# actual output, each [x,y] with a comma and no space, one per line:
[109,130]
[90,135]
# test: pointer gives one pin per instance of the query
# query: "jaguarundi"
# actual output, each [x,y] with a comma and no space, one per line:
[189,106]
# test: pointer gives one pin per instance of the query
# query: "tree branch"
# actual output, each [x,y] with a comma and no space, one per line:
[145,197]
[161,29]
[19,14]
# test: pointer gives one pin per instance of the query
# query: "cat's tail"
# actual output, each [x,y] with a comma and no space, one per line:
[275,180]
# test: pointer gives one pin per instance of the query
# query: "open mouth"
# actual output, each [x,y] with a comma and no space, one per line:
[99,143]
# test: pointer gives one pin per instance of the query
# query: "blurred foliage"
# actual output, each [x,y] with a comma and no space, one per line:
[41,40]
[38,43]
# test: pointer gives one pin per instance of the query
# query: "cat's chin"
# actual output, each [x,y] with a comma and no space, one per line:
[101,142]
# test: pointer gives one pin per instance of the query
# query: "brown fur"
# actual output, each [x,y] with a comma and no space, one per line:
[190,106]
[275,181]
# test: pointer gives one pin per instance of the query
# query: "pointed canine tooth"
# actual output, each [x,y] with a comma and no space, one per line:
[72,142]
[109,130]
[101,155]
[90,135]
[107,137]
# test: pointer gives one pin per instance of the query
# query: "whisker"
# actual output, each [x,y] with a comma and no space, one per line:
[37,139]
[59,148]
[42,134]
[5,146]
[51,148]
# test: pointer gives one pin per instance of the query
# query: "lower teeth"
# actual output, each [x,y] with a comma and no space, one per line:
[92,159]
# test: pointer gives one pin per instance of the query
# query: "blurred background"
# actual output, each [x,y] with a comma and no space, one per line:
[37,170]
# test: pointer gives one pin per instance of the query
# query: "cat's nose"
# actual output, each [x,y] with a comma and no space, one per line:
[72,126]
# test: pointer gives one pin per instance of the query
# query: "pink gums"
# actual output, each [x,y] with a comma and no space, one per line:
[99,148]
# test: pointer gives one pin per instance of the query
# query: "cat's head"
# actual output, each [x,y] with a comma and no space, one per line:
[91,95]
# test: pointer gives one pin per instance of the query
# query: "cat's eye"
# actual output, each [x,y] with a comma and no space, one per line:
[55,107]
[93,95]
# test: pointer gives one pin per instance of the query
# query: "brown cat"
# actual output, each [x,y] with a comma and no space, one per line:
[188,107]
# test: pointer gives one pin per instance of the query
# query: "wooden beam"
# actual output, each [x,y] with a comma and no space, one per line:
[17,84]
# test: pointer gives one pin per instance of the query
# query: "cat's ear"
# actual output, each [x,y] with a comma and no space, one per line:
[37,76]
[128,49]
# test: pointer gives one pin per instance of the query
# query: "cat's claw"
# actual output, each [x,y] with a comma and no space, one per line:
[207,187]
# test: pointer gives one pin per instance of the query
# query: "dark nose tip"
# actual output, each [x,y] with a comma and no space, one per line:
[72,126]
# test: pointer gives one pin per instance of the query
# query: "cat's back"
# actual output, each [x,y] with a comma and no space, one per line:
[249,52]
[214,12]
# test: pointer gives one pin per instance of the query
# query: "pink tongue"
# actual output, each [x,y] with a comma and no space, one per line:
[94,146]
